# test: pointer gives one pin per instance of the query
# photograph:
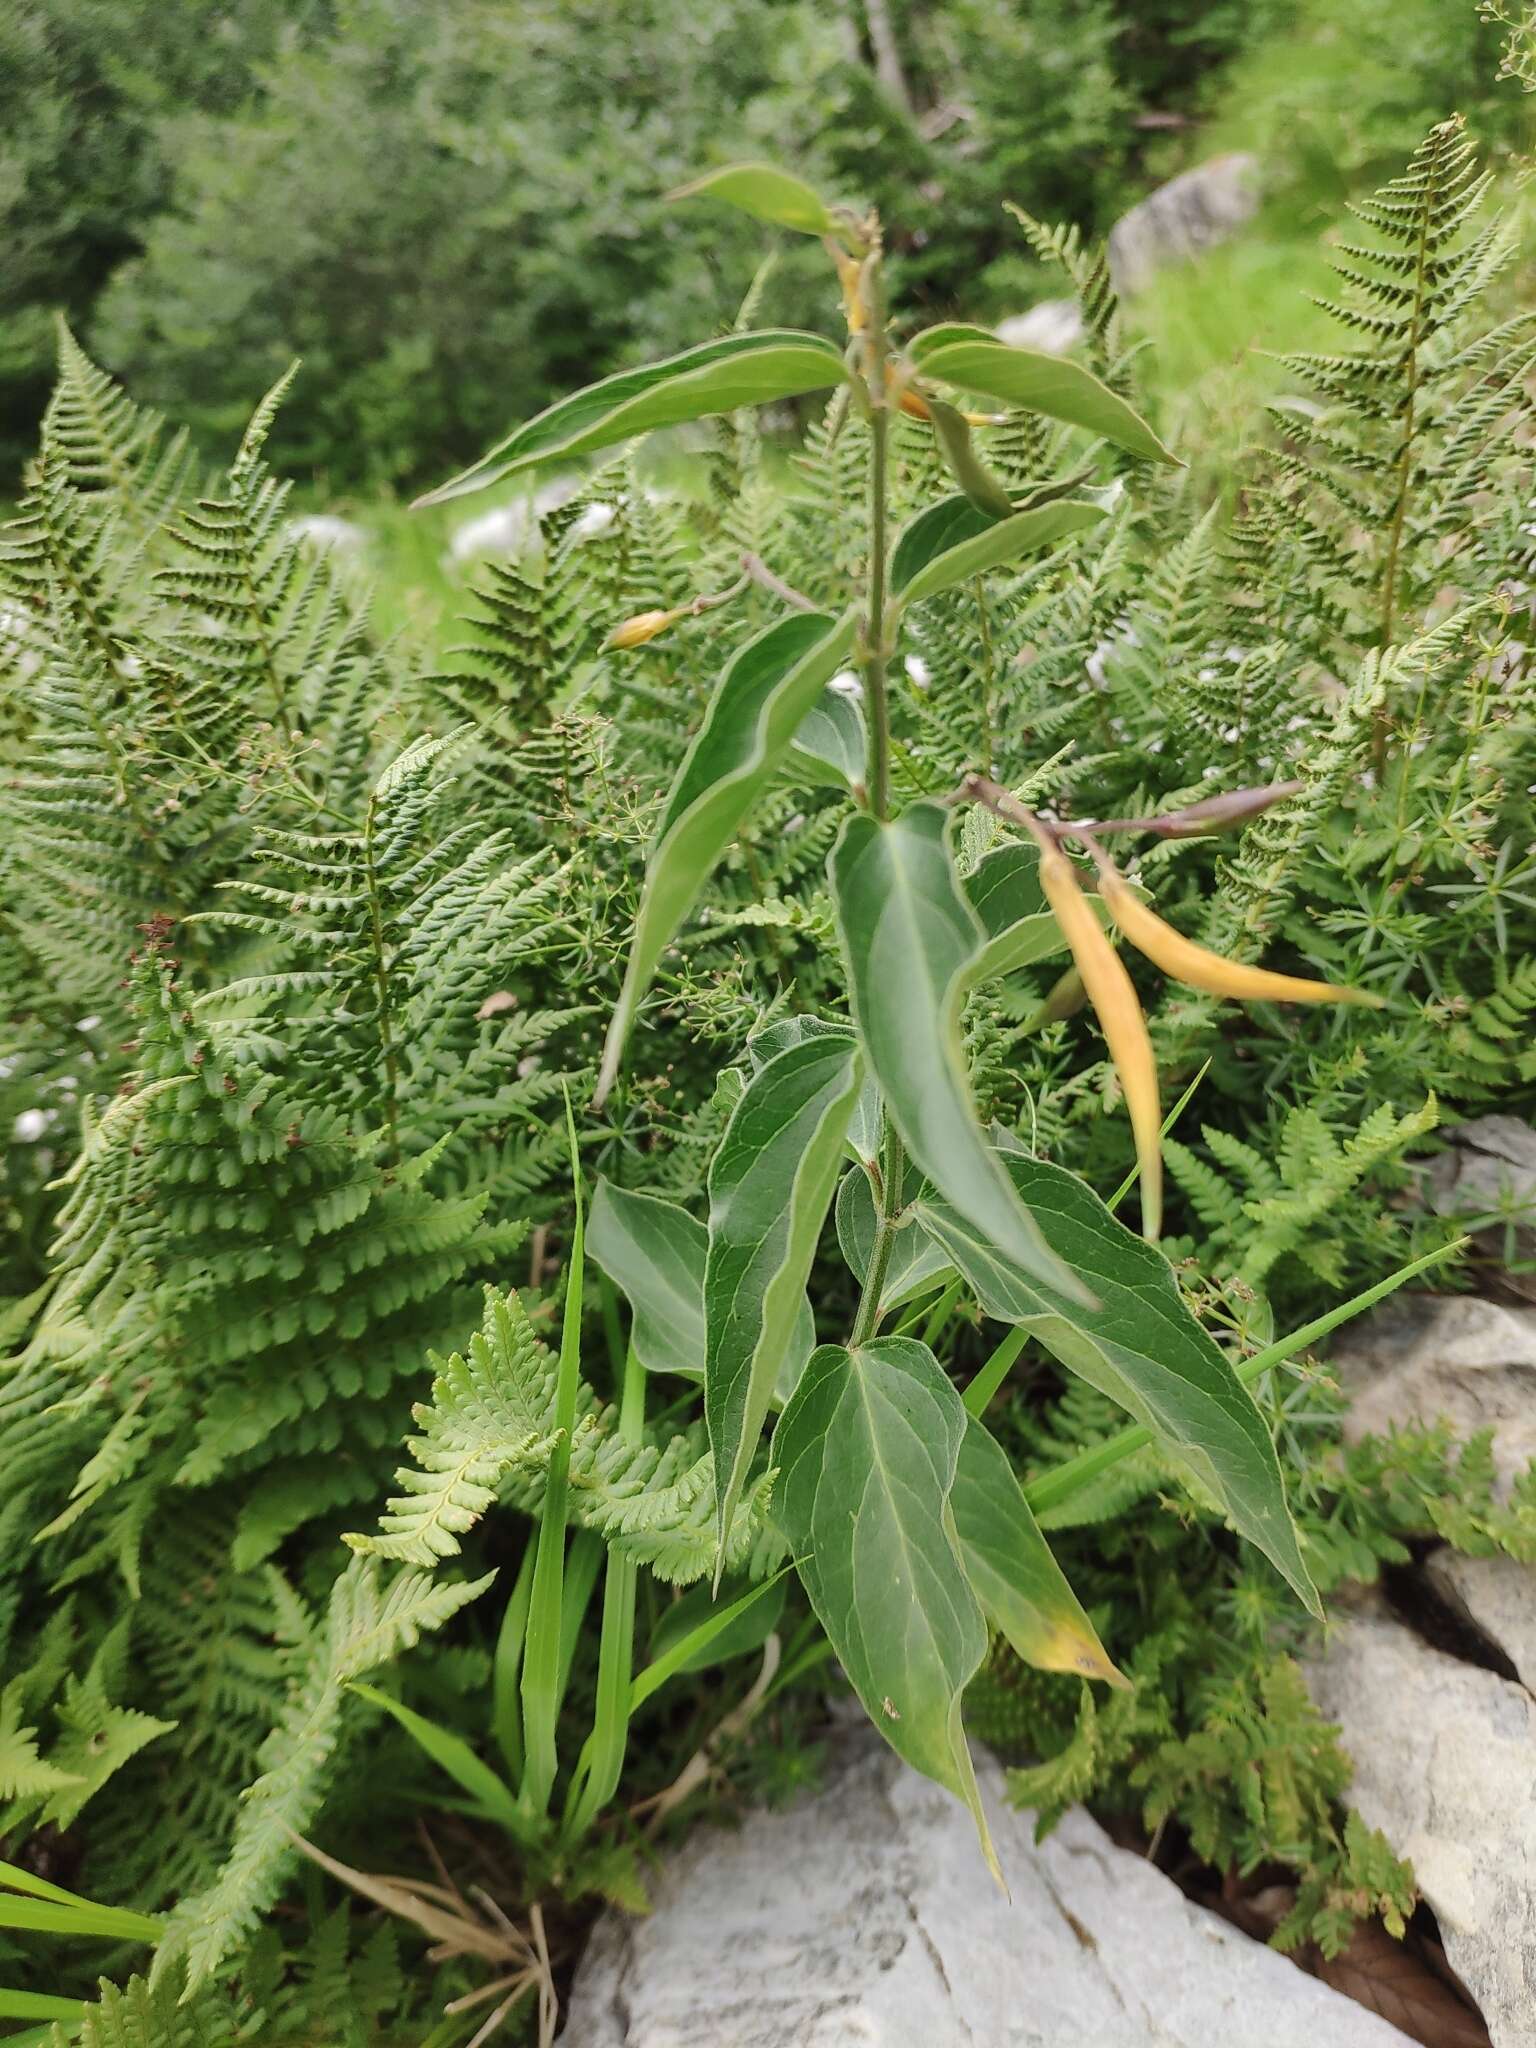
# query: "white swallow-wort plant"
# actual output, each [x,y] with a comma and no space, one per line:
[901,1512]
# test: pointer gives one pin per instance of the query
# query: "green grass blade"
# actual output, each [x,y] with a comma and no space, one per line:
[542,1656]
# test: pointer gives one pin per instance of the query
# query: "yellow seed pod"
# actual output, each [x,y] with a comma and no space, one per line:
[1182,960]
[642,627]
[914,404]
[1119,1012]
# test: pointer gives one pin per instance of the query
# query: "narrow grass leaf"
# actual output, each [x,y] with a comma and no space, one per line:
[452,1754]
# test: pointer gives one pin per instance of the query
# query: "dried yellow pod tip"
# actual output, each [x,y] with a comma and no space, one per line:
[1118,1009]
[850,275]
[1182,960]
[642,627]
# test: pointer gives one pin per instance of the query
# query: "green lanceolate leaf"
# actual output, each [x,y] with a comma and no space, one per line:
[917,1262]
[451,1753]
[716,377]
[982,488]
[1139,1345]
[863,1136]
[1003,540]
[1036,382]
[765,693]
[924,344]
[770,1186]
[932,533]
[1004,891]
[1022,1589]
[767,193]
[831,746]
[910,940]
[867,1451]
[655,1252]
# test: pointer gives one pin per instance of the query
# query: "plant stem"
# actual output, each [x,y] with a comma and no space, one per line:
[892,1168]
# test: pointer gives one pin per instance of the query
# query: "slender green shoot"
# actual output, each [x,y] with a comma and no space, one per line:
[541,1686]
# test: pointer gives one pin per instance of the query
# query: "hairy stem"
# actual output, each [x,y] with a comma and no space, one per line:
[893,1170]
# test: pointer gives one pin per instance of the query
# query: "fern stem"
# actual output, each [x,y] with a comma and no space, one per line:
[874,652]
[989,652]
[382,988]
[1391,565]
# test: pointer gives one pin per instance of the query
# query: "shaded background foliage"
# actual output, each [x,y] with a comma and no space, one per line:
[453,212]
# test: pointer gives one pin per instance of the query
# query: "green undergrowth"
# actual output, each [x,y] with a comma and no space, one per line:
[314,913]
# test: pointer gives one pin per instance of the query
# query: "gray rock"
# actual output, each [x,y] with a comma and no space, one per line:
[1445,1766]
[865,1918]
[1054,327]
[1498,1596]
[1487,1177]
[328,530]
[1421,1357]
[510,529]
[1190,213]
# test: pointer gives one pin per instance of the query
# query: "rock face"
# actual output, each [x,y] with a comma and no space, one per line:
[1445,1766]
[1498,1596]
[865,1918]
[513,528]
[329,530]
[1420,1357]
[1054,327]
[1190,213]
[1487,1175]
